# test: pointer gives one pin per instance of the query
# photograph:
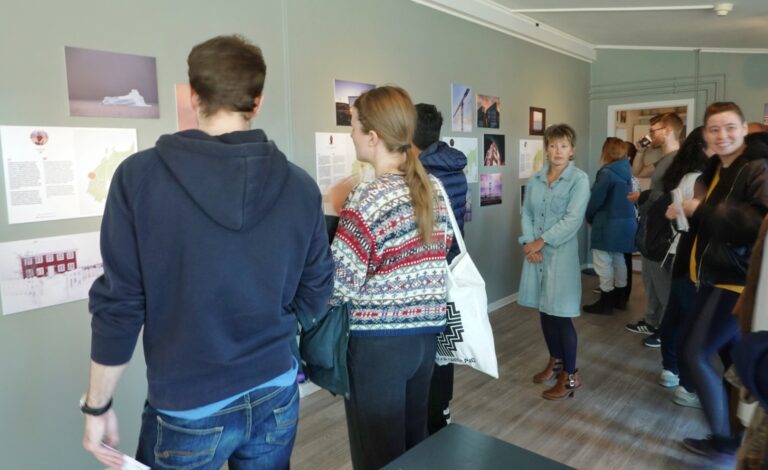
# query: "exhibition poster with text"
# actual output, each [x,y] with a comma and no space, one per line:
[54,173]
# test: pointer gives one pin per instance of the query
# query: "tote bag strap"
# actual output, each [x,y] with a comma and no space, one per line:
[452,221]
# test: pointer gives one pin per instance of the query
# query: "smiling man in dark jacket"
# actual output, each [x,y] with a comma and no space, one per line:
[447,164]
[210,240]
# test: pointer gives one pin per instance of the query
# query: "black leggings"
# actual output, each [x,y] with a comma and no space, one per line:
[560,335]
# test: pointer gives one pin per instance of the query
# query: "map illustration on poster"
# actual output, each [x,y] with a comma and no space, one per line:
[56,173]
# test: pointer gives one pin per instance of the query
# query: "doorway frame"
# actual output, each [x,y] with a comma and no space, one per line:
[613,109]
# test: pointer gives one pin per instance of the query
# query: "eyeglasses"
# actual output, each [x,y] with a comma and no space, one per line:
[651,131]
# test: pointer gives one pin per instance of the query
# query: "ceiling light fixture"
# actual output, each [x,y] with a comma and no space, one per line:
[722,9]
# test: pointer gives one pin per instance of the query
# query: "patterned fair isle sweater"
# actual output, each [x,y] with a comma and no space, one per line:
[394,283]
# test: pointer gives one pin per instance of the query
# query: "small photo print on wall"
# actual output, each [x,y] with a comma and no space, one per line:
[461,108]
[468,206]
[345,93]
[493,150]
[111,84]
[488,111]
[490,189]
[537,121]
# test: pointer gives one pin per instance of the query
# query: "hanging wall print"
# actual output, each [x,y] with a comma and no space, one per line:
[493,150]
[488,111]
[537,121]
[345,93]
[461,108]
[56,173]
[111,84]
[490,189]
[48,271]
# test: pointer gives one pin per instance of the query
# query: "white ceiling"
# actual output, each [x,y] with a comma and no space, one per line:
[744,27]
[578,34]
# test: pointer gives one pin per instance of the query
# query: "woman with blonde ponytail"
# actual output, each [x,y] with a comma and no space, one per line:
[389,250]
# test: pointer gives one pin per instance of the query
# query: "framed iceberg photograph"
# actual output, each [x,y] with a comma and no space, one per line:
[111,84]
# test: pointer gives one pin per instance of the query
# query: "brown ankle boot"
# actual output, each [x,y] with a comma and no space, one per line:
[554,366]
[564,388]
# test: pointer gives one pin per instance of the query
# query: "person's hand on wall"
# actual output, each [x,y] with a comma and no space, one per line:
[103,430]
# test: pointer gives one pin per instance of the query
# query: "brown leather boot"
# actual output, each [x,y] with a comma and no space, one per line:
[564,388]
[554,366]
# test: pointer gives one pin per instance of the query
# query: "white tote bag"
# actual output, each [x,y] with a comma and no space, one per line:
[468,338]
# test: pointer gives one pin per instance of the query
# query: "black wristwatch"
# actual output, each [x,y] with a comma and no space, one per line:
[87,410]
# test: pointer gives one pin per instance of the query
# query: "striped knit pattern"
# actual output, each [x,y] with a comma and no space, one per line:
[394,283]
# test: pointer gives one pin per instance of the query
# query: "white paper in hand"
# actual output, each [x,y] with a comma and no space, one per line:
[129,463]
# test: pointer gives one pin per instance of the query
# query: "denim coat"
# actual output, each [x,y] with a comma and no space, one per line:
[613,218]
[554,214]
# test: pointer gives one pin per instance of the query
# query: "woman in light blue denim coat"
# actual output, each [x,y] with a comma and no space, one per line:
[555,202]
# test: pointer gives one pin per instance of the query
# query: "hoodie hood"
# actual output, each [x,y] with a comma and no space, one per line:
[621,169]
[234,178]
[443,158]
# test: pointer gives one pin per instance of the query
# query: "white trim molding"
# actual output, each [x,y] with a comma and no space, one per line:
[493,306]
[704,50]
[690,115]
[495,16]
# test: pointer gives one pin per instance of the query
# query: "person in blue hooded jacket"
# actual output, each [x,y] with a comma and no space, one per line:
[447,164]
[211,240]
[614,224]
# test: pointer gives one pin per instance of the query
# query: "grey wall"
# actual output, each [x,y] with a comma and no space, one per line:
[634,76]
[307,44]
[45,353]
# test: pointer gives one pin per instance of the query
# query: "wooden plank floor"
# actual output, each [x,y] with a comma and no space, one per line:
[620,418]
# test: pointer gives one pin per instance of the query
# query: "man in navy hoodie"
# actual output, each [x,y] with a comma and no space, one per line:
[447,164]
[210,240]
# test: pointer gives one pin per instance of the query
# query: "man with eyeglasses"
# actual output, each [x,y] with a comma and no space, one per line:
[666,133]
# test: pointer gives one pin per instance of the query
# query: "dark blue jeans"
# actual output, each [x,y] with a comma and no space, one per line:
[561,339]
[675,327]
[389,380]
[256,431]
[715,330]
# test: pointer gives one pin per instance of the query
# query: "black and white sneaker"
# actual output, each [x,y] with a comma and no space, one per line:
[653,341]
[641,327]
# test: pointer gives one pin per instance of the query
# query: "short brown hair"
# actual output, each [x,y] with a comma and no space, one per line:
[226,72]
[613,149]
[559,131]
[672,121]
[722,107]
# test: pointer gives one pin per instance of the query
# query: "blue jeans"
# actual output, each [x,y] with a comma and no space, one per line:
[715,330]
[256,431]
[678,320]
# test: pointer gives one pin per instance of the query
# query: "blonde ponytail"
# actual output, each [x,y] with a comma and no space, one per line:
[390,112]
[422,194]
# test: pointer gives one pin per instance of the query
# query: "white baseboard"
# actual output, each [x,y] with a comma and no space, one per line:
[502,302]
